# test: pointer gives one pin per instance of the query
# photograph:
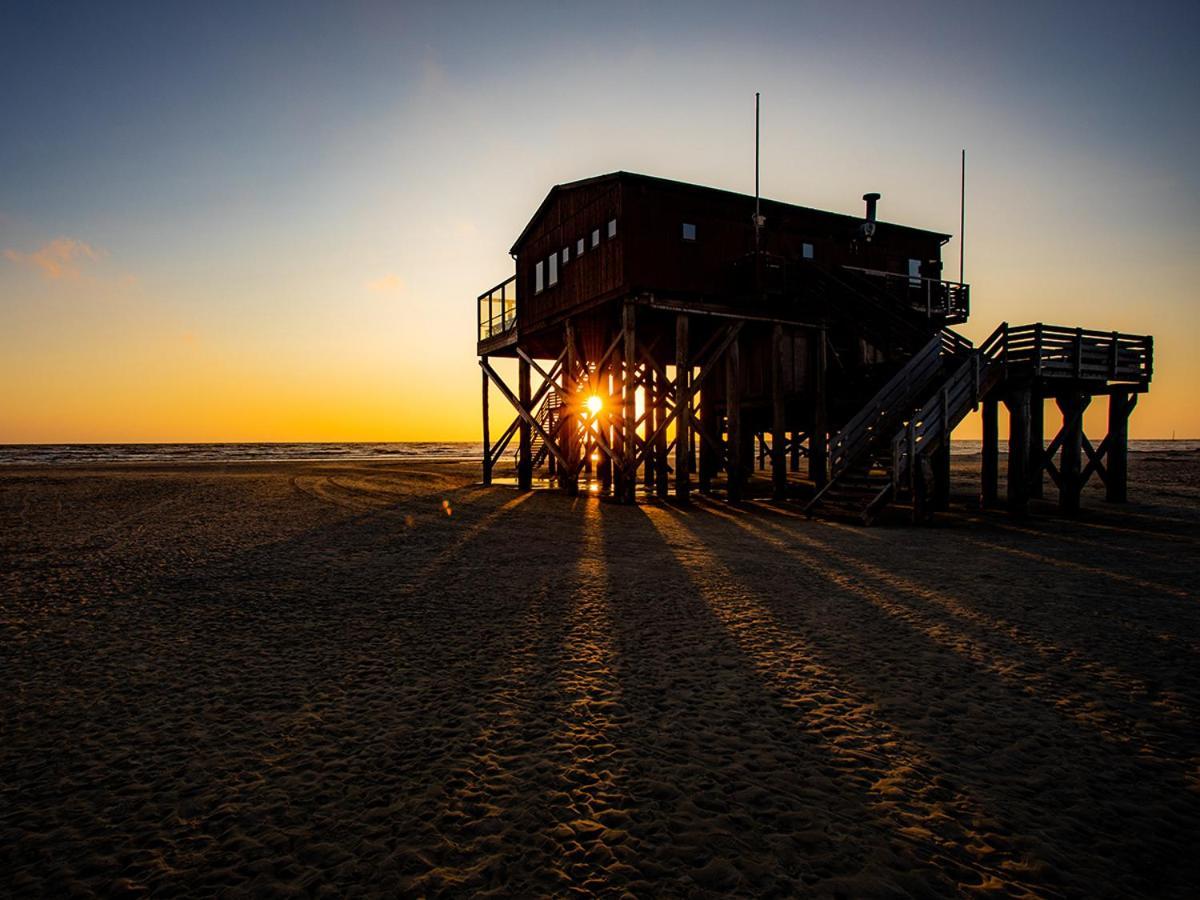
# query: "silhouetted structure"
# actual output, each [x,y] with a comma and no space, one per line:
[706,333]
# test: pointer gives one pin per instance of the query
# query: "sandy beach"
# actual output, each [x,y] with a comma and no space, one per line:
[333,679]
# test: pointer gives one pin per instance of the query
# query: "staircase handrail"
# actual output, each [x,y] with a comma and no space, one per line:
[960,393]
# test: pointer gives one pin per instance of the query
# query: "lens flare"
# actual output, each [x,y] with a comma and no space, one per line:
[594,404]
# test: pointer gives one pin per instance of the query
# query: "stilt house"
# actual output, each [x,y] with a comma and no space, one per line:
[679,333]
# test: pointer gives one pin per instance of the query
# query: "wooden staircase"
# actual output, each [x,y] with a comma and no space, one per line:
[549,415]
[862,454]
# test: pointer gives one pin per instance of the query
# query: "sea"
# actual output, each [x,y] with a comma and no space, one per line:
[449,451]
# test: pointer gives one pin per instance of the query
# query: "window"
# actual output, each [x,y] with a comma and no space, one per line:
[596,237]
[612,228]
[689,231]
[538,276]
[914,272]
[579,247]
[566,254]
[553,260]
[808,251]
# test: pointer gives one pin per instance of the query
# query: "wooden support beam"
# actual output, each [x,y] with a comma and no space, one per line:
[487,440]
[733,423]
[1070,484]
[683,399]
[524,451]
[990,453]
[1095,463]
[1037,445]
[629,405]
[794,448]
[818,434]
[527,418]
[710,445]
[650,462]
[657,438]
[568,479]
[778,418]
[940,460]
[1018,451]
[1119,408]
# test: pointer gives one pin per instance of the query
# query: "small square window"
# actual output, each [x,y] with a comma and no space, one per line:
[579,247]
[808,251]
[539,274]
[596,237]
[566,255]
[553,269]
[612,228]
[689,231]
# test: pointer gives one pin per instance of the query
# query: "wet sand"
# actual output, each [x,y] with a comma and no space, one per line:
[349,679]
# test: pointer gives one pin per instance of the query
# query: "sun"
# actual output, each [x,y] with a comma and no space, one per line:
[594,405]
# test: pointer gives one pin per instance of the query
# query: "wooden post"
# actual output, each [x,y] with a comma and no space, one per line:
[733,420]
[629,398]
[1119,407]
[683,379]
[1018,452]
[569,481]
[618,440]
[1037,445]
[1070,485]
[524,446]
[779,416]
[710,462]
[990,453]
[818,434]
[487,438]
[940,460]
[794,447]
[662,480]
[650,418]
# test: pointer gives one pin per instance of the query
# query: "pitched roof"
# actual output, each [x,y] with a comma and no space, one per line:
[654,180]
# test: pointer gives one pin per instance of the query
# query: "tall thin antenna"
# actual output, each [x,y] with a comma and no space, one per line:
[962,215]
[757,216]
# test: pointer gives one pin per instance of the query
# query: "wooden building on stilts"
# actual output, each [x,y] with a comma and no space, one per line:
[667,337]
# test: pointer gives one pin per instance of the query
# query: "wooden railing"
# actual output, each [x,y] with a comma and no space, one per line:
[950,300]
[894,400]
[1052,351]
[498,309]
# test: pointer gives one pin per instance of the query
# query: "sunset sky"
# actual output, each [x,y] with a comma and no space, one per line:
[219,223]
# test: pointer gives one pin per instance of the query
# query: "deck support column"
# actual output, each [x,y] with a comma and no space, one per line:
[683,378]
[662,475]
[629,401]
[1119,408]
[487,438]
[524,432]
[710,462]
[990,453]
[779,419]
[818,437]
[1018,451]
[650,462]
[1037,446]
[794,451]
[569,481]
[618,439]
[733,423]
[1070,485]
[940,461]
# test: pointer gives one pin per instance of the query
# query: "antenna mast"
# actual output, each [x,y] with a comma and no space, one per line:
[962,215]
[757,215]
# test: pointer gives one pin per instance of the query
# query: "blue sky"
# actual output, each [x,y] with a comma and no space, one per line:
[286,210]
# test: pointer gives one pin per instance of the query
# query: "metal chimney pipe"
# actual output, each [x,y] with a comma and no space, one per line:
[871,199]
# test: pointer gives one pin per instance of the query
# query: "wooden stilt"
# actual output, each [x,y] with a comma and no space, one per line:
[650,407]
[794,450]
[990,453]
[733,423]
[778,417]
[620,453]
[524,431]
[710,462]
[1037,445]
[940,461]
[487,438]
[662,478]
[1119,408]
[1070,485]
[1018,451]
[818,434]
[569,481]
[629,402]
[682,403]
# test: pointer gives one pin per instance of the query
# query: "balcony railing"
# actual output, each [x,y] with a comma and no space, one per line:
[498,310]
[949,300]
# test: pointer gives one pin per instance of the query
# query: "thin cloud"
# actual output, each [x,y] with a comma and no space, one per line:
[388,284]
[58,259]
